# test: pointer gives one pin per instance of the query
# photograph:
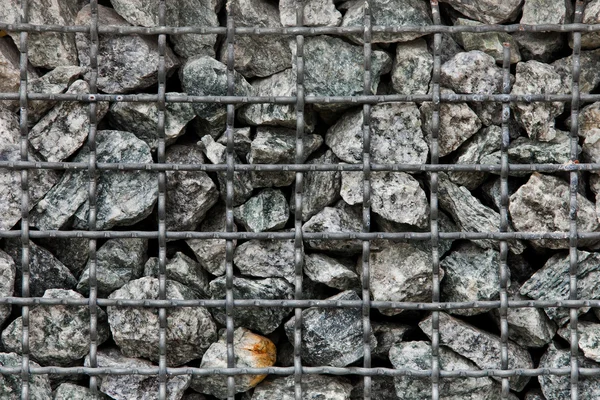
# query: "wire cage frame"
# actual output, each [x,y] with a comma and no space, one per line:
[435,374]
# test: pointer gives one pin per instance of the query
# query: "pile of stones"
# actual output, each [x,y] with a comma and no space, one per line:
[265,201]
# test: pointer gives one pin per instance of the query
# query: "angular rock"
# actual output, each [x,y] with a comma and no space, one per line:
[135,387]
[417,355]
[261,55]
[540,46]
[552,283]
[329,271]
[46,272]
[118,261]
[251,351]
[261,319]
[313,387]
[491,191]
[589,342]
[490,43]
[542,205]
[331,220]
[58,335]
[525,151]
[589,77]
[331,336]
[184,270]
[128,62]
[387,334]
[241,141]
[487,11]
[537,118]
[412,68]
[7,283]
[278,146]
[190,330]
[449,47]
[396,135]
[266,259]
[205,76]
[10,385]
[70,391]
[45,49]
[314,12]
[266,211]
[591,15]
[395,196]
[468,341]
[190,194]
[10,74]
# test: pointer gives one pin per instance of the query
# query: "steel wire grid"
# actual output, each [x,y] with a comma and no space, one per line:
[435,373]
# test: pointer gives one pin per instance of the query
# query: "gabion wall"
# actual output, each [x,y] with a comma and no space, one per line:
[382,199]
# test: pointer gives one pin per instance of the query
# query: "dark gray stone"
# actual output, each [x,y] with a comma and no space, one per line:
[535,394]
[382,388]
[7,283]
[387,334]
[491,191]
[589,77]
[487,11]
[10,385]
[329,271]
[182,269]
[491,43]
[267,211]
[10,74]
[241,141]
[589,342]
[313,387]
[331,220]
[412,68]
[266,259]
[70,391]
[314,13]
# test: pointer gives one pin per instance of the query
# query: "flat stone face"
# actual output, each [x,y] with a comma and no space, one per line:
[266,211]
[313,387]
[331,336]
[10,385]
[489,42]
[329,271]
[331,220]
[487,11]
[314,12]
[182,269]
[7,283]
[412,68]
[70,391]
[190,331]
[589,342]
[266,258]
[135,387]
[58,335]
[251,351]
[468,341]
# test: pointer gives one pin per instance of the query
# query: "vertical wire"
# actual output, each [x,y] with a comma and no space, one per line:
[433,207]
[162,195]
[92,189]
[504,220]
[298,239]
[574,183]
[25,375]
[230,41]
[366,244]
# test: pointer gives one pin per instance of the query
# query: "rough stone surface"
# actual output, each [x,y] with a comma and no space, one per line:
[487,11]
[261,319]
[251,351]
[117,262]
[382,388]
[329,271]
[10,75]
[56,81]
[527,151]
[266,211]
[468,341]
[70,391]
[589,77]
[535,394]
[331,220]
[387,334]
[10,385]
[184,270]
[589,342]
[552,283]
[331,336]
[591,15]
[491,191]
[489,42]
[412,68]
[395,196]
[7,283]
[125,63]
[278,146]
[396,135]
[241,141]
[313,387]
[266,258]
[542,205]
[190,331]
[58,335]
[135,387]
[314,13]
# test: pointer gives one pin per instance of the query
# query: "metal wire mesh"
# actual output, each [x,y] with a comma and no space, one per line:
[300,100]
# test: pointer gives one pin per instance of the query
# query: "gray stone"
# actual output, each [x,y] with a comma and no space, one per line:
[552,283]
[417,355]
[589,77]
[589,342]
[313,387]
[70,391]
[535,394]
[190,331]
[190,194]
[141,119]
[458,122]
[251,351]
[491,191]
[468,341]
[118,261]
[128,62]
[591,15]
[333,67]
[331,336]
[395,196]
[332,220]
[135,387]
[471,274]
[267,211]
[449,47]
[278,146]
[10,385]
[527,151]
[46,272]
[537,118]
[396,135]
[412,68]
[182,269]
[10,74]
[329,271]
[387,334]
[266,258]
[7,283]
[491,43]
[314,13]
[257,55]
[205,76]
[389,13]
[177,13]
[58,335]
[241,141]
[471,215]
[210,253]
[382,388]
[45,49]
[261,319]
[542,205]
[487,11]
[540,46]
